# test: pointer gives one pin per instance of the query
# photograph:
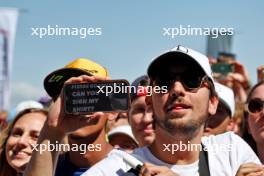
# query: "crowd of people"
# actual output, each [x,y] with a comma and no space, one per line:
[205,124]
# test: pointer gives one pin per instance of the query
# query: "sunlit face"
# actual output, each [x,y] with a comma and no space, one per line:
[181,111]
[256,122]
[141,121]
[23,135]
[219,122]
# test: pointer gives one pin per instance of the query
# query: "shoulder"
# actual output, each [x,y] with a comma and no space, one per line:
[140,151]
[229,151]
[229,141]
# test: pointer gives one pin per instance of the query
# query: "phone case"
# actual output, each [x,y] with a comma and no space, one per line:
[102,96]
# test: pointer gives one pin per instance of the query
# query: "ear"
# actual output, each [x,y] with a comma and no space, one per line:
[213,103]
[112,115]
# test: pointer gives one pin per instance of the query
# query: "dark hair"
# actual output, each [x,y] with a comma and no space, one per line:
[5,168]
[245,134]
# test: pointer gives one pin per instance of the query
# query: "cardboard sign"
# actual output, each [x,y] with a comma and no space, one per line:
[104,96]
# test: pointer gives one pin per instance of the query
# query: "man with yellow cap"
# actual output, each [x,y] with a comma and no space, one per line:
[86,135]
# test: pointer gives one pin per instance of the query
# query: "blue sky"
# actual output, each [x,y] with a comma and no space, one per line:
[131,35]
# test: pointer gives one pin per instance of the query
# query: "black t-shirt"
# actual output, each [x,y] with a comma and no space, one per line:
[66,168]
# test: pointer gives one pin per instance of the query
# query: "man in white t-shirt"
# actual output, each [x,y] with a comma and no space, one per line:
[180,115]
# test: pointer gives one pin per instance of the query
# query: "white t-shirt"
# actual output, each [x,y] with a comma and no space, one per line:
[226,152]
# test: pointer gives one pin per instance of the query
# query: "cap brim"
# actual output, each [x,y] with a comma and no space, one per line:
[53,83]
[166,59]
[120,133]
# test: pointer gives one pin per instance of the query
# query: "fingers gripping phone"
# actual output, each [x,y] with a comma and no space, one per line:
[102,96]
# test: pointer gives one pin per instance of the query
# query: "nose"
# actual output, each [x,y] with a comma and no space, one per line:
[23,141]
[177,89]
[148,115]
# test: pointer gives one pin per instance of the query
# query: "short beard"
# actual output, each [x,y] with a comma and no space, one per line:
[181,131]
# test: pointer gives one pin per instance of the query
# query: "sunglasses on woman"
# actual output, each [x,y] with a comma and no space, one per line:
[255,106]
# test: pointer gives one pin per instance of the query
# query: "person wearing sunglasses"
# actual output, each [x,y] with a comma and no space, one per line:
[179,117]
[254,120]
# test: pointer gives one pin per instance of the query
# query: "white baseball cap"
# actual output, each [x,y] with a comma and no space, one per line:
[226,96]
[122,129]
[180,52]
[29,104]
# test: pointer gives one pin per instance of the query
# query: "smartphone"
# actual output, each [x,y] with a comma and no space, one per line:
[260,73]
[102,96]
[223,68]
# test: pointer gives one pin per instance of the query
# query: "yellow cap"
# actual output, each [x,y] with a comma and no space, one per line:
[53,83]
[89,66]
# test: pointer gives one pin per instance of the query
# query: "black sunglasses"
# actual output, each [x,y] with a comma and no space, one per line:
[255,106]
[189,82]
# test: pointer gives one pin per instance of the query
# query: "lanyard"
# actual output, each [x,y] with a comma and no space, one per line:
[203,163]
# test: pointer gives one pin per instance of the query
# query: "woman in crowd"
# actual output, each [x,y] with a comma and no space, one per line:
[17,141]
[254,120]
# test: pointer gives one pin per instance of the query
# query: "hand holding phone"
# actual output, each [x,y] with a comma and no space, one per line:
[61,123]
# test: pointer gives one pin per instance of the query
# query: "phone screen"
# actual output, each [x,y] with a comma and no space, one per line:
[222,68]
[103,96]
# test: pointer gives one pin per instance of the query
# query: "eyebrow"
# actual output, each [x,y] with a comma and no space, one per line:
[16,129]
[22,129]
[34,131]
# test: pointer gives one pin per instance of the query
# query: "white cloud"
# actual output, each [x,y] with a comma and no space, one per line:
[21,91]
